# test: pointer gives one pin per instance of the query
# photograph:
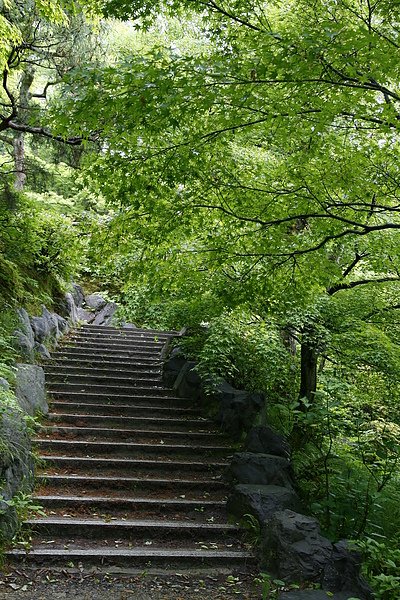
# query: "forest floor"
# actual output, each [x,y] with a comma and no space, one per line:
[45,584]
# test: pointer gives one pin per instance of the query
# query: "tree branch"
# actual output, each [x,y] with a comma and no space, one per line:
[72,141]
[353,284]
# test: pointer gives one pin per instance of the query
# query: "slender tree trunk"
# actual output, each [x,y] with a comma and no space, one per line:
[308,372]
[19,162]
[19,140]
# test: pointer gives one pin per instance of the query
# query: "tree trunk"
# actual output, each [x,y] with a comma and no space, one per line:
[308,372]
[19,162]
[19,140]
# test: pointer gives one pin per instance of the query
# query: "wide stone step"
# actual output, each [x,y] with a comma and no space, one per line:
[119,337]
[156,424]
[127,449]
[161,508]
[136,435]
[140,346]
[115,371]
[130,410]
[125,331]
[120,399]
[99,357]
[59,360]
[129,352]
[128,467]
[136,531]
[137,380]
[117,560]
[118,389]
[117,485]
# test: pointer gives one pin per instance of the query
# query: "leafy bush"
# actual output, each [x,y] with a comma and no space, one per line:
[249,353]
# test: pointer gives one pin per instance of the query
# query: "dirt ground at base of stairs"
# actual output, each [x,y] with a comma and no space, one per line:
[48,585]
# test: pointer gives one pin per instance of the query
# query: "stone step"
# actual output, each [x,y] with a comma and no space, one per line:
[154,488]
[134,398]
[117,389]
[147,337]
[57,377]
[126,466]
[152,483]
[130,410]
[126,449]
[65,357]
[131,423]
[120,560]
[150,347]
[151,507]
[136,435]
[131,353]
[115,371]
[136,531]
[125,331]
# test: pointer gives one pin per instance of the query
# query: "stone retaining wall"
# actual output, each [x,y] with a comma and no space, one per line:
[291,546]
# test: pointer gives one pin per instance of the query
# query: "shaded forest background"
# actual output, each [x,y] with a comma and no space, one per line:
[232,167]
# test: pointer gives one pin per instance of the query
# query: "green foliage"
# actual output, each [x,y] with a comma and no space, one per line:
[382,567]
[249,353]
[25,506]
[41,249]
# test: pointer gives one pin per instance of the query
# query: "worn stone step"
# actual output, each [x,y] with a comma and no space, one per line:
[156,424]
[65,356]
[135,531]
[119,389]
[116,485]
[57,377]
[149,347]
[61,359]
[128,466]
[120,399]
[115,371]
[131,352]
[199,510]
[127,449]
[139,342]
[117,560]
[122,334]
[130,410]
[136,435]
[118,338]
[126,331]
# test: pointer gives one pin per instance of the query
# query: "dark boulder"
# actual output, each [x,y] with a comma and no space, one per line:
[85,315]
[77,294]
[261,501]
[314,595]
[188,382]
[105,316]
[294,550]
[25,325]
[41,328]
[264,469]
[30,389]
[173,366]
[23,345]
[265,440]
[95,302]
[238,409]
[343,571]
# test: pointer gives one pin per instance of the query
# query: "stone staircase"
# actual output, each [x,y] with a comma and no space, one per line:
[130,476]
